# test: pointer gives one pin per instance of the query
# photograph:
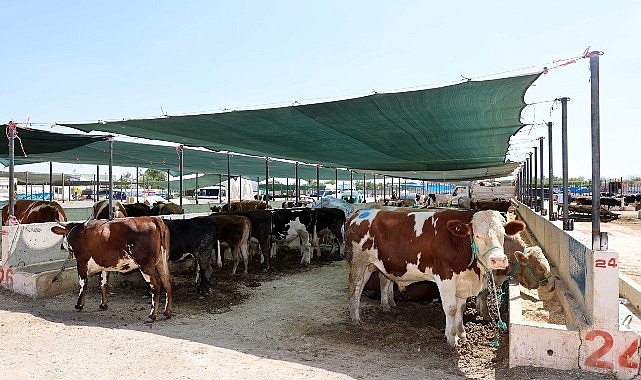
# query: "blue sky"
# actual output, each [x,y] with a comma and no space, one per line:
[87,61]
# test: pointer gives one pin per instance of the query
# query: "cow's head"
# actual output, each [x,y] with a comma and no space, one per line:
[65,229]
[487,231]
[533,269]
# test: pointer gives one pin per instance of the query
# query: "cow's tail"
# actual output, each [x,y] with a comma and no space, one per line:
[219,260]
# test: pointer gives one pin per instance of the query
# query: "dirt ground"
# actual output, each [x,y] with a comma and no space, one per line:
[624,237]
[292,323]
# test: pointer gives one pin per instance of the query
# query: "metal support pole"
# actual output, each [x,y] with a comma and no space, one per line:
[597,242]
[383,188]
[228,181]
[12,178]
[318,182]
[111,180]
[167,184]
[567,224]
[137,184]
[535,187]
[181,157]
[97,184]
[541,204]
[196,186]
[266,179]
[50,181]
[374,187]
[297,184]
[551,211]
[529,180]
[351,184]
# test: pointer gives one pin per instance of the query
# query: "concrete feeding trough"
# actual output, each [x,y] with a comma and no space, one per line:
[532,341]
[598,333]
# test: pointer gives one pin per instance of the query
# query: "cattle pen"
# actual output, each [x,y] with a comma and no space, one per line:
[591,318]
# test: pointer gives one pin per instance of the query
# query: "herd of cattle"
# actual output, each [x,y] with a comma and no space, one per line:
[447,254]
[610,200]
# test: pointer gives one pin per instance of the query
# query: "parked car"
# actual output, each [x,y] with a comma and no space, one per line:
[104,194]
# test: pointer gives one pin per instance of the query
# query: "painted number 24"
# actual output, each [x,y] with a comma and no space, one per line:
[603,263]
[624,360]
[6,277]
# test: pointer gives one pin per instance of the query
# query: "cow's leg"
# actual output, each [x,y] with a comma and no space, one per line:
[244,251]
[358,276]
[235,253]
[154,284]
[82,281]
[204,271]
[461,305]
[447,290]
[305,247]
[104,282]
[264,245]
[387,292]
[315,241]
[167,281]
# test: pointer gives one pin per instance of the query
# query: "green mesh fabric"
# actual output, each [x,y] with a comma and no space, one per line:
[457,132]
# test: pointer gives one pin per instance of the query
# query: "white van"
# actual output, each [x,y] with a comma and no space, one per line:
[211,194]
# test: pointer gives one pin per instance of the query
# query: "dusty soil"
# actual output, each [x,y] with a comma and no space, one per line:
[292,323]
[624,237]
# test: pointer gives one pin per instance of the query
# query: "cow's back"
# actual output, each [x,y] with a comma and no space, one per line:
[403,238]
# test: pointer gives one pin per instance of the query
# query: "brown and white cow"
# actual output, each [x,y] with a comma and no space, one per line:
[121,245]
[451,248]
[35,211]
[527,265]
[101,210]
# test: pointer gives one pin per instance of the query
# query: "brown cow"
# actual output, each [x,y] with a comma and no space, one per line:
[248,204]
[527,265]
[121,245]
[35,211]
[165,209]
[101,210]
[234,232]
[451,248]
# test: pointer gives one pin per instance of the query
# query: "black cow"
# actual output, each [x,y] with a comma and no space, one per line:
[137,209]
[610,202]
[199,237]
[328,221]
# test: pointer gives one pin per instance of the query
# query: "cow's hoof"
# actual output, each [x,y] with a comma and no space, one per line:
[167,314]
[151,319]
[78,307]
[103,307]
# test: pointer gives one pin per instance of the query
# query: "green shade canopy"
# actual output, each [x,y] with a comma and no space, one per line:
[37,142]
[159,157]
[463,129]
